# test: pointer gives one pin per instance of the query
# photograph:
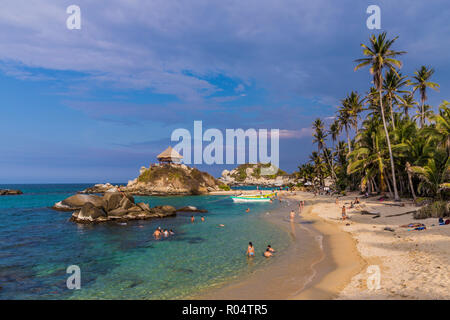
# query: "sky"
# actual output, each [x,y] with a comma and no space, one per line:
[96,104]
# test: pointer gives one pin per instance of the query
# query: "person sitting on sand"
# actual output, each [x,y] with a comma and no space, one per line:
[344,213]
[270,248]
[250,250]
[356,200]
[267,253]
[192,219]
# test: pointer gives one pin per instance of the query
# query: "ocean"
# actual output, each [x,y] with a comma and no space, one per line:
[123,261]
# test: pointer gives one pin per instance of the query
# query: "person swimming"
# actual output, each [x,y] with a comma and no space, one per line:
[248,210]
[267,253]
[250,250]
[171,232]
[157,234]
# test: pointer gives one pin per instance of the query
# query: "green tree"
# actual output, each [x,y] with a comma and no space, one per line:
[379,56]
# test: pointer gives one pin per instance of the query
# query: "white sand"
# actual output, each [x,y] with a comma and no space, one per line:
[414,264]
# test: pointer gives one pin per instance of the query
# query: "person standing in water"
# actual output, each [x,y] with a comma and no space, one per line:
[203,219]
[250,250]
[292,215]
[192,219]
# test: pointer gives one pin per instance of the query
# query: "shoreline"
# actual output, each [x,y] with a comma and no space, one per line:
[318,271]
[413,264]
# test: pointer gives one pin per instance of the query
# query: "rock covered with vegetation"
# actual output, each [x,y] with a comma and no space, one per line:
[256,174]
[172,179]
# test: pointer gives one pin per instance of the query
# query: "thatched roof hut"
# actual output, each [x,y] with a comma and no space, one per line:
[169,156]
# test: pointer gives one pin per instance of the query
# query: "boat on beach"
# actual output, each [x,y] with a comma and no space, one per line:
[253,198]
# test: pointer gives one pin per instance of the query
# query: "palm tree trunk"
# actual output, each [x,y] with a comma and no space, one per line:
[348,140]
[392,114]
[389,147]
[411,186]
[422,116]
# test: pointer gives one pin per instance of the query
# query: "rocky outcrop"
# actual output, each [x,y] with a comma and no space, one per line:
[162,180]
[257,174]
[114,206]
[9,192]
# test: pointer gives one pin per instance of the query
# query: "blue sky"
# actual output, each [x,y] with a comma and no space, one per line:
[93,105]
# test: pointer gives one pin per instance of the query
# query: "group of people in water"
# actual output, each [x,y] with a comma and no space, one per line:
[251,251]
[160,233]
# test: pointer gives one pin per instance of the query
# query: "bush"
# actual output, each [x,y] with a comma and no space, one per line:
[437,209]
[225,187]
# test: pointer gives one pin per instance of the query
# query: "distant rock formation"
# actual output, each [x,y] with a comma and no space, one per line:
[257,174]
[114,206]
[164,179]
[9,192]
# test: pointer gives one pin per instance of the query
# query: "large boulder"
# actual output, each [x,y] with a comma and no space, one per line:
[112,200]
[78,201]
[90,213]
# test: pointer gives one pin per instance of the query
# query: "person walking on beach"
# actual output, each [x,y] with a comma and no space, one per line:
[250,250]
[344,213]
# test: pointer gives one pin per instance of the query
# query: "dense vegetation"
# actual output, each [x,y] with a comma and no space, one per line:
[241,171]
[400,145]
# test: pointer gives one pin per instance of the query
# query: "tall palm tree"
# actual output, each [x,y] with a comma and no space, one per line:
[379,56]
[441,131]
[407,102]
[345,120]
[355,105]
[319,137]
[391,85]
[422,77]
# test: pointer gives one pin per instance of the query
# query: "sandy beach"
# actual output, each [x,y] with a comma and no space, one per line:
[413,264]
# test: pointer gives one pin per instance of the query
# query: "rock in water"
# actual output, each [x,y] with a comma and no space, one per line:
[78,201]
[90,213]
[9,192]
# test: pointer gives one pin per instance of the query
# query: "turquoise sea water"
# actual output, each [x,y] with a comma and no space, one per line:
[118,261]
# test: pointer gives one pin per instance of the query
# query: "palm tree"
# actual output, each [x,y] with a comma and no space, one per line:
[391,85]
[319,138]
[435,174]
[426,113]
[422,77]
[407,102]
[355,105]
[441,131]
[345,120]
[379,56]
